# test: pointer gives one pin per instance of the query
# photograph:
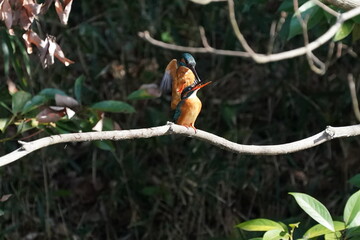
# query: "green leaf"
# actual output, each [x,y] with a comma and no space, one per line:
[140,94]
[1,212]
[3,124]
[353,233]
[288,5]
[276,234]
[24,126]
[78,88]
[105,145]
[259,224]
[344,30]
[166,37]
[319,230]
[50,92]
[356,32]
[355,180]
[113,106]
[333,236]
[294,225]
[356,19]
[315,209]
[352,210]
[311,14]
[35,102]
[18,101]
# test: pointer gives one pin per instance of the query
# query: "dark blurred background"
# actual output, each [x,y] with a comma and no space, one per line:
[175,187]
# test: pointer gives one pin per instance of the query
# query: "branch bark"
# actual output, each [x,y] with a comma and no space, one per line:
[344,4]
[172,129]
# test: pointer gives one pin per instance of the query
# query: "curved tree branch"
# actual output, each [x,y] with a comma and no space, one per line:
[172,129]
[258,57]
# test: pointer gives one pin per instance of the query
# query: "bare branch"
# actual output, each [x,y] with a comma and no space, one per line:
[354,97]
[203,37]
[172,129]
[146,35]
[259,58]
[326,8]
[315,63]
[204,2]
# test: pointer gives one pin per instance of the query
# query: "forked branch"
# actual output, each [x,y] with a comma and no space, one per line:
[249,52]
[172,129]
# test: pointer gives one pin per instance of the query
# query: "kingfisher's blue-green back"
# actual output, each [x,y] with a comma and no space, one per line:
[178,111]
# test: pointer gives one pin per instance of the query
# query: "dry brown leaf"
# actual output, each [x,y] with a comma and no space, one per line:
[5,197]
[24,12]
[30,38]
[99,125]
[48,48]
[29,11]
[63,10]
[6,13]
[48,51]
[65,101]
[50,115]
[46,6]
[11,86]
[59,54]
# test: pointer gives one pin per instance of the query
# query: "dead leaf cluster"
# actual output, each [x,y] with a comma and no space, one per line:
[48,49]
[22,13]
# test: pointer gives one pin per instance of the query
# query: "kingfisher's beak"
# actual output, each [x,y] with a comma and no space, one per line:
[197,78]
[201,86]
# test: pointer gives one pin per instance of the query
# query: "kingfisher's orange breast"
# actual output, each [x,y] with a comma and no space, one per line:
[176,78]
[184,78]
[190,110]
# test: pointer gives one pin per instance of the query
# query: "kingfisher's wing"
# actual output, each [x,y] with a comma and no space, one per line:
[169,76]
[177,111]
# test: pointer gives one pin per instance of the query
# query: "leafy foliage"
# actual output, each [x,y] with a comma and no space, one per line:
[326,227]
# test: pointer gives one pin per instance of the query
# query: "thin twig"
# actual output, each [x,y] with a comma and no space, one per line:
[172,129]
[203,37]
[315,63]
[353,96]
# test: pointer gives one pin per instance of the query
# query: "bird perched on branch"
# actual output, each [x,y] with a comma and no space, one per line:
[189,107]
[178,75]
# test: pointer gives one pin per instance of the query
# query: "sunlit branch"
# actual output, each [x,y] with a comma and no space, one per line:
[172,129]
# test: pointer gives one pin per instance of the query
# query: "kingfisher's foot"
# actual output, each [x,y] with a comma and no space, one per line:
[190,126]
[193,127]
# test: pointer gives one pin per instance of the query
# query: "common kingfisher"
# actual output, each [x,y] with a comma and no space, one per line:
[178,75]
[189,107]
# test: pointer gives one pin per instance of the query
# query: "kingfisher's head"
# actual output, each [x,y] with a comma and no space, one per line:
[189,61]
[191,90]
